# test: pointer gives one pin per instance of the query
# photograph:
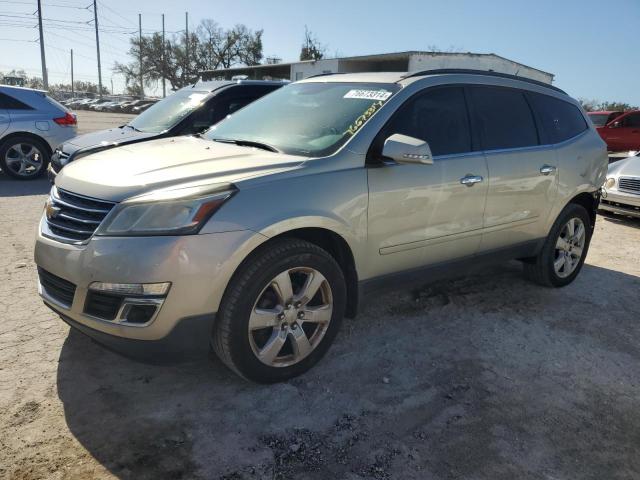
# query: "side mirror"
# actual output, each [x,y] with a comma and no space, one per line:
[405,149]
[615,125]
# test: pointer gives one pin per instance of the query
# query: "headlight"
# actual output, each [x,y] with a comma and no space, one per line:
[180,211]
[610,183]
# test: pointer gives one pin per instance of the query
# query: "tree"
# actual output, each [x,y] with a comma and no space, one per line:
[591,105]
[311,49]
[210,47]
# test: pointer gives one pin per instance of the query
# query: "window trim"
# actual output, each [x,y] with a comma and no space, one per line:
[371,161]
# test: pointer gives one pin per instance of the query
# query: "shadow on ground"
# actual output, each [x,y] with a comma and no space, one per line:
[484,377]
[10,187]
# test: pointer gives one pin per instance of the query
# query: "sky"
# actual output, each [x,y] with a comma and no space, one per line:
[590,45]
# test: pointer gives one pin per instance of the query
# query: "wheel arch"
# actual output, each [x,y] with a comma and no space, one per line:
[590,201]
[27,134]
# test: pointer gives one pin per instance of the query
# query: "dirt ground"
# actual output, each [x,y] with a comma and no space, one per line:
[483,377]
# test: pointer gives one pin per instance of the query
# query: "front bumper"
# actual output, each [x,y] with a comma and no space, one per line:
[199,268]
[623,203]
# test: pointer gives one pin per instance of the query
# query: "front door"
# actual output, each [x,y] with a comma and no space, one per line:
[424,214]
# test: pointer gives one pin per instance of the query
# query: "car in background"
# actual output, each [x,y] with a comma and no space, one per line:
[623,133]
[190,110]
[602,117]
[621,191]
[32,125]
[143,106]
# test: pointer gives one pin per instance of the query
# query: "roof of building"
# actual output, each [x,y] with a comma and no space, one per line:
[380,56]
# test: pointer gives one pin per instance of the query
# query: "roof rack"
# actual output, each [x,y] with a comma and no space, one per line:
[490,73]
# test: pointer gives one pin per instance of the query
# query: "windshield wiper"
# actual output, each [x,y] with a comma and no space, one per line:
[248,143]
[132,127]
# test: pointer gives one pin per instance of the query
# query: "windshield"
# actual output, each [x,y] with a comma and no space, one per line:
[166,113]
[311,119]
[599,119]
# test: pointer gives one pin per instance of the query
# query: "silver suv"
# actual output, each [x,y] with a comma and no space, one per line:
[260,235]
[32,125]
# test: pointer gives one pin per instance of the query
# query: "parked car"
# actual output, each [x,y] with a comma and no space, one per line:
[259,236]
[190,110]
[142,107]
[128,108]
[623,133]
[601,118]
[621,192]
[32,125]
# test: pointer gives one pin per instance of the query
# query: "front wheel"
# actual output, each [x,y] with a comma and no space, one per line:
[281,311]
[564,251]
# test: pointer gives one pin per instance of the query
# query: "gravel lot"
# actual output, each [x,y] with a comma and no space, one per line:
[483,377]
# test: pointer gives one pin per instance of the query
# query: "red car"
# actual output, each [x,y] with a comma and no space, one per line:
[601,118]
[622,132]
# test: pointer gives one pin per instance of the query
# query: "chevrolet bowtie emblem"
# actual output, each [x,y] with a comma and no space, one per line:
[51,211]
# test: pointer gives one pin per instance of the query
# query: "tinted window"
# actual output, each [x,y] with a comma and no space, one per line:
[600,119]
[631,120]
[503,118]
[438,117]
[560,120]
[9,103]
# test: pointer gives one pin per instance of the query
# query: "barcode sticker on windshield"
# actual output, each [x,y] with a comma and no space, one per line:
[368,94]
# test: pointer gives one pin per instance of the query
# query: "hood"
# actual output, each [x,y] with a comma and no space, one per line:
[629,167]
[122,172]
[113,136]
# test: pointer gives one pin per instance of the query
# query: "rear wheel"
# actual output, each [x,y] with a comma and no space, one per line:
[281,311]
[23,157]
[564,251]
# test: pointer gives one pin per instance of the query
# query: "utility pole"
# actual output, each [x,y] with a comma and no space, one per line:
[95,18]
[186,21]
[73,94]
[164,65]
[45,76]
[140,53]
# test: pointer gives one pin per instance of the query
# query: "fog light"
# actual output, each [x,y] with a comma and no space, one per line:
[137,289]
[610,183]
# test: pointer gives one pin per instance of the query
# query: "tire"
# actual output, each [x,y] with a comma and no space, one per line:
[258,295]
[543,268]
[34,151]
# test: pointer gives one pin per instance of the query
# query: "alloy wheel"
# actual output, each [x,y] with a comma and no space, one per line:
[23,159]
[290,317]
[569,247]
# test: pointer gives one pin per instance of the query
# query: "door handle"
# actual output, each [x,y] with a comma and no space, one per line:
[547,169]
[471,180]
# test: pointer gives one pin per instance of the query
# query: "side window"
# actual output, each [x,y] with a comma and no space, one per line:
[632,120]
[7,102]
[438,116]
[503,118]
[560,120]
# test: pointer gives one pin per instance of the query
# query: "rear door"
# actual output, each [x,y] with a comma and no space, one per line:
[522,171]
[423,214]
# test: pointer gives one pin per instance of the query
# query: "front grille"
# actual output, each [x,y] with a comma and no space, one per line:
[73,218]
[57,288]
[630,184]
[102,305]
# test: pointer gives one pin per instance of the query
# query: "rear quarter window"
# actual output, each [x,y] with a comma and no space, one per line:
[503,118]
[560,120]
[8,102]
